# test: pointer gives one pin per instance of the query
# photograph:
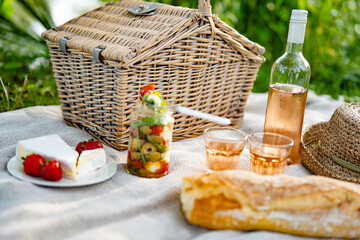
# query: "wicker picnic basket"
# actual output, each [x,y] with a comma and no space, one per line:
[102,58]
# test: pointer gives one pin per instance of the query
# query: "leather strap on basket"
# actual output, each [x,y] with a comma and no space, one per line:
[96,54]
[62,45]
[205,8]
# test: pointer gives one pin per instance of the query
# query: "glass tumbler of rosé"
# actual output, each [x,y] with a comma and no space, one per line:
[269,152]
[223,147]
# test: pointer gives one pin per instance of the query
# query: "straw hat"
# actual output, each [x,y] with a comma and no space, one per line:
[332,148]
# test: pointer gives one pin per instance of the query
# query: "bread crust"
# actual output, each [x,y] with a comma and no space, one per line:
[309,206]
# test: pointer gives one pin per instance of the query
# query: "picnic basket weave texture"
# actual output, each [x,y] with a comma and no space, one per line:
[194,59]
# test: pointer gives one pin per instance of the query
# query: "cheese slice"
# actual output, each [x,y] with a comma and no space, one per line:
[52,147]
[90,160]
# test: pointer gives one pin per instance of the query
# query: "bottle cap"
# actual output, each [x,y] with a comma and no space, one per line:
[297,27]
[298,16]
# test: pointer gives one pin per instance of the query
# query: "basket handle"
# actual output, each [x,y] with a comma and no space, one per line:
[205,7]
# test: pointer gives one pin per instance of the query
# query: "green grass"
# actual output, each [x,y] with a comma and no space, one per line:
[15,96]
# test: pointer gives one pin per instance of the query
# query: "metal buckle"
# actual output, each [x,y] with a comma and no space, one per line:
[62,45]
[96,55]
[146,9]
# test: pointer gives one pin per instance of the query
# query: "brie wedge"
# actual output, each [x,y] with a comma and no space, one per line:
[52,147]
[89,160]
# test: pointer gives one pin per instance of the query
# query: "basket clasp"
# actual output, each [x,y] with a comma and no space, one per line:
[145,9]
[96,54]
[62,45]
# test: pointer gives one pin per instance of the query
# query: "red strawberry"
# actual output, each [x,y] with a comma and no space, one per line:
[33,164]
[52,171]
[80,147]
[91,144]
[88,145]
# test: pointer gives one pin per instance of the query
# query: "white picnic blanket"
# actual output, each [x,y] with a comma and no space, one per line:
[125,206]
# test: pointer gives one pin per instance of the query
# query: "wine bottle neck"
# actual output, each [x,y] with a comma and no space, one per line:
[294,47]
[296,31]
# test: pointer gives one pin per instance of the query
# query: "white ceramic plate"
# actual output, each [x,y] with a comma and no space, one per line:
[15,168]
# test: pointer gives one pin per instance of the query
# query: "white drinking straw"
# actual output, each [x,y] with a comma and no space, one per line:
[209,117]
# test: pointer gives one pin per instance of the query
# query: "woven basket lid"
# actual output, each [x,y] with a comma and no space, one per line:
[125,37]
[339,138]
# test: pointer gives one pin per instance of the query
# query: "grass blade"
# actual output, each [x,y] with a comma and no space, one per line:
[6,94]
[44,19]
[46,11]
[11,26]
[21,92]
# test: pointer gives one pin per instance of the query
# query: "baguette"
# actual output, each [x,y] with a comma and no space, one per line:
[309,206]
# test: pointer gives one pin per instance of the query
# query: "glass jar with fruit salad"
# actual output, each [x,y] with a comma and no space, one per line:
[150,135]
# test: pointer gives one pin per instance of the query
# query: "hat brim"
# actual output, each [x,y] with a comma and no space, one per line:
[317,162]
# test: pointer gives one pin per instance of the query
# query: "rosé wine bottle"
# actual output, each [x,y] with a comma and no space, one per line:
[290,77]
